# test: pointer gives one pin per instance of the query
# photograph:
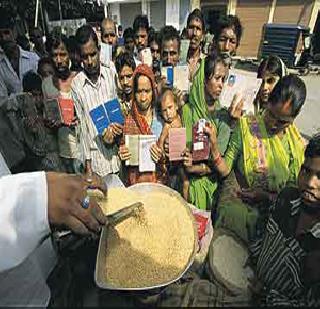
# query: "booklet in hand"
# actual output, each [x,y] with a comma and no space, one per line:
[139,148]
[104,114]
[184,48]
[167,72]
[146,56]
[177,143]
[200,141]
[52,110]
[177,76]
[243,85]
[67,110]
[27,105]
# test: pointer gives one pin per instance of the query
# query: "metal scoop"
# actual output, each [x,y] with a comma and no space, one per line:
[124,214]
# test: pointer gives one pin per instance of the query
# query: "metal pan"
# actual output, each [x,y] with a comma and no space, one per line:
[100,277]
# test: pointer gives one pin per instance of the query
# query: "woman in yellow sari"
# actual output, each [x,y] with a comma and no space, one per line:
[266,152]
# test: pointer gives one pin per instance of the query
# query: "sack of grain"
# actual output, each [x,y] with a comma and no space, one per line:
[227,260]
[150,250]
[205,233]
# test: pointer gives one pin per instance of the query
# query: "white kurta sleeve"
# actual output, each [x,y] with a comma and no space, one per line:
[23,216]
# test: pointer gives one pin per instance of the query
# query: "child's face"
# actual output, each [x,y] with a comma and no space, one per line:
[169,109]
[38,98]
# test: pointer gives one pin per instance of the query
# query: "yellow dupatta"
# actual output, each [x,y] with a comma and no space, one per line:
[266,162]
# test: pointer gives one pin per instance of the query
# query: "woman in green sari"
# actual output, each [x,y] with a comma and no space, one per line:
[204,104]
[266,152]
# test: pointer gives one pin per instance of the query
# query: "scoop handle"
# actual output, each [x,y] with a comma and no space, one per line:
[123,214]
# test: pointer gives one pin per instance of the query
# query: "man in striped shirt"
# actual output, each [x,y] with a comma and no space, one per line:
[93,86]
[14,61]
[287,257]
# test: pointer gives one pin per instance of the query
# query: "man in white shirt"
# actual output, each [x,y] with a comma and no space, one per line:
[91,88]
[14,61]
[33,203]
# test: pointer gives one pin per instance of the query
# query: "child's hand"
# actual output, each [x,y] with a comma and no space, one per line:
[156,153]
[187,158]
[124,153]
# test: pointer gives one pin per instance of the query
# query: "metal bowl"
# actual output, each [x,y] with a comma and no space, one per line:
[100,277]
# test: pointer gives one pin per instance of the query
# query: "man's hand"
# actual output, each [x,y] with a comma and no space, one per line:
[65,196]
[253,196]
[113,130]
[124,153]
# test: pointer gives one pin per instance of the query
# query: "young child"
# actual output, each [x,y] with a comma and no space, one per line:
[170,114]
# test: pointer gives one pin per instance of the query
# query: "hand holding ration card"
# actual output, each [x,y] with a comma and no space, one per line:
[139,148]
[243,85]
[200,140]
[105,114]
[177,143]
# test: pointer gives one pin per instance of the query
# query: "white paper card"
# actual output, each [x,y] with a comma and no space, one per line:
[246,86]
[146,164]
[106,53]
[181,77]
[146,57]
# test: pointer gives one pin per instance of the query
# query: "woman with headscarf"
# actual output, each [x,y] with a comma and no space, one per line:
[266,153]
[270,70]
[142,120]
[204,104]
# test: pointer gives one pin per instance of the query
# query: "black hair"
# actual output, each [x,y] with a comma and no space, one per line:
[197,14]
[289,88]
[6,19]
[31,81]
[84,34]
[128,33]
[43,61]
[229,21]
[313,147]
[23,41]
[54,41]
[119,28]
[155,37]
[168,33]
[210,63]
[272,64]
[125,59]
[141,21]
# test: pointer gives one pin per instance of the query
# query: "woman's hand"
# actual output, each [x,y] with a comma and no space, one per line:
[156,153]
[212,133]
[124,153]
[253,196]
[235,109]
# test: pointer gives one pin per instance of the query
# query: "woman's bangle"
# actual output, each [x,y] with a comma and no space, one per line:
[217,160]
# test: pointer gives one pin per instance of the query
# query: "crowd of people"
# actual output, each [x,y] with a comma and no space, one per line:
[260,181]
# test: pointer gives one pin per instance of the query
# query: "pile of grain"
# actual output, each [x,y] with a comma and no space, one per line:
[228,259]
[151,251]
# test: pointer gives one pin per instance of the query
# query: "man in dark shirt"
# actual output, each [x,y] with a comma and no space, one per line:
[287,257]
